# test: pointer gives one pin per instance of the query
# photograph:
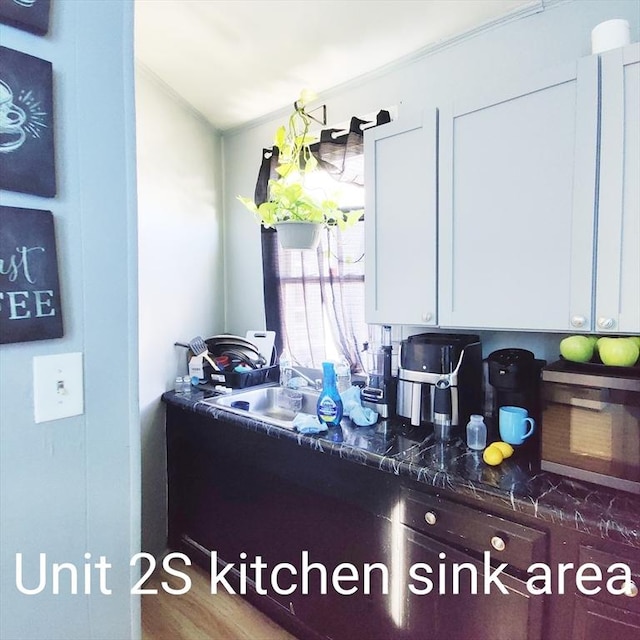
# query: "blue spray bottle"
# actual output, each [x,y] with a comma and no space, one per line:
[329,407]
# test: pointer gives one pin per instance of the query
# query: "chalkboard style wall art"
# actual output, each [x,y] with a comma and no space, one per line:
[29,288]
[28,15]
[27,161]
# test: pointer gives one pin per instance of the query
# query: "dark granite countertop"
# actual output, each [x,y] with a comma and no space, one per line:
[412,452]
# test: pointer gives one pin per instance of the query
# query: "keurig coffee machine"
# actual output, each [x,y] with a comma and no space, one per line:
[514,380]
[440,380]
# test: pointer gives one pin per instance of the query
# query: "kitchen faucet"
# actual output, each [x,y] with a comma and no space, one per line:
[316,384]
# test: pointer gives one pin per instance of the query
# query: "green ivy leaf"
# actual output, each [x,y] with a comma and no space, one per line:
[306,96]
[267,213]
[280,137]
[249,203]
[311,164]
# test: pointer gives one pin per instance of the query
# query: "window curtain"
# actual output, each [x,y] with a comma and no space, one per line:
[309,293]
[341,153]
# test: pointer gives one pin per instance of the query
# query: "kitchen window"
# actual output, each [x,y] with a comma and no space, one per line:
[315,300]
[321,295]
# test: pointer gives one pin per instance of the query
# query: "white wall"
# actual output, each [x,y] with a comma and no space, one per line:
[556,34]
[71,486]
[180,266]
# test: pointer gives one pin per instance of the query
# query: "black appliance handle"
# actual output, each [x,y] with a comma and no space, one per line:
[442,397]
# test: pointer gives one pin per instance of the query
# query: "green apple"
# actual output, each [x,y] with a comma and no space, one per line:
[594,342]
[618,352]
[577,348]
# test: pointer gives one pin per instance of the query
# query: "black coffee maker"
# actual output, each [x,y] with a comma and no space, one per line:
[512,378]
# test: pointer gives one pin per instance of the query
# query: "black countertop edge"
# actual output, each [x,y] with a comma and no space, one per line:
[412,453]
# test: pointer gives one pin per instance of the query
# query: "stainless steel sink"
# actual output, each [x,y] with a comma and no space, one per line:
[269,403]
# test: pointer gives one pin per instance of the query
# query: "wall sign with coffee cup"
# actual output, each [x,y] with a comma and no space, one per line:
[29,287]
[27,161]
[28,15]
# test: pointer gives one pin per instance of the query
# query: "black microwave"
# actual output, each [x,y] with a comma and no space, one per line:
[591,423]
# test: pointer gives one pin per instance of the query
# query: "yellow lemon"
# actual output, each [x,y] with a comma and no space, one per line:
[492,455]
[505,448]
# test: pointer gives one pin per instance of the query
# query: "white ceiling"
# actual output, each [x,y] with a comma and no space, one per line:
[237,60]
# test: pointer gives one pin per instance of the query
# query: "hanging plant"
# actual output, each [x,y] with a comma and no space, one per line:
[289,198]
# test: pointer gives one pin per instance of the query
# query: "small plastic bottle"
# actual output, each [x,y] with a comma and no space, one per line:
[285,368]
[186,385]
[343,375]
[476,433]
[178,386]
[329,408]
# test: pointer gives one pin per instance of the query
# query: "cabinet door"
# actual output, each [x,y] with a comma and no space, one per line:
[400,221]
[593,621]
[246,495]
[462,607]
[618,258]
[517,204]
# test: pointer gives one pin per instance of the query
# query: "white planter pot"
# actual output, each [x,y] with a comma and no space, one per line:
[298,235]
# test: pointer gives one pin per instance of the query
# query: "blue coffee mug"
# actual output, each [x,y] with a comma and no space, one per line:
[513,424]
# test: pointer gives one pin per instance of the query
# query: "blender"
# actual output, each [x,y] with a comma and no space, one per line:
[380,392]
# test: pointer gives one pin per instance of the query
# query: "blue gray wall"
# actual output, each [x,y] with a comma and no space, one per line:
[72,486]
[181,276]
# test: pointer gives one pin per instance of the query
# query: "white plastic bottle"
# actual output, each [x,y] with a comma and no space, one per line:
[285,368]
[476,433]
[343,375]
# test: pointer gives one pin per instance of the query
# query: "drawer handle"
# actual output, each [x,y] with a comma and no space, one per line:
[430,518]
[498,543]
[632,590]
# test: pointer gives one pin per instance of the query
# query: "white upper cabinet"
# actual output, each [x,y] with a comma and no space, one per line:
[517,210]
[401,221]
[536,221]
[617,300]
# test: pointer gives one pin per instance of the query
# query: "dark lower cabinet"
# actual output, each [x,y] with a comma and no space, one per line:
[474,563]
[469,608]
[605,615]
[246,496]
[593,620]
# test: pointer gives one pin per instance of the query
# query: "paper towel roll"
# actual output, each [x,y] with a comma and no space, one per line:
[610,35]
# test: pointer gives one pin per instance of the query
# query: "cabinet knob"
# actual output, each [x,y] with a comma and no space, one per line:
[498,543]
[606,323]
[578,321]
[427,316]
[632,590]
[430,518]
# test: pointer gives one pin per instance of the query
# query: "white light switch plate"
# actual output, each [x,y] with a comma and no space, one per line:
[58,390]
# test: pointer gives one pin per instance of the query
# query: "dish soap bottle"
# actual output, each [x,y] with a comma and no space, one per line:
[329,407]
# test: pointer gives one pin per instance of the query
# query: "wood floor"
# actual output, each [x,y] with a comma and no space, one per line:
[199,615]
